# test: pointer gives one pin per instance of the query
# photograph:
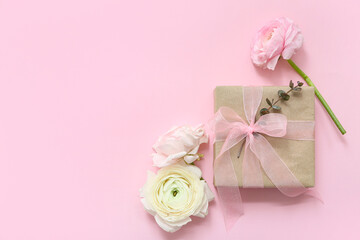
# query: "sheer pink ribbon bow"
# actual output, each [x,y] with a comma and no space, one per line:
[258,153]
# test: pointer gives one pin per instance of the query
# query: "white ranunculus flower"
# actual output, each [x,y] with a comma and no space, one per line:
[179,143]
[175,194]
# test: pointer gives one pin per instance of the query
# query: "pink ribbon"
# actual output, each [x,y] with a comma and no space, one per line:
[258,153]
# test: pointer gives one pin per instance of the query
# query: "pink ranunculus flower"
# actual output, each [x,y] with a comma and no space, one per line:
[280,37]
[179,143]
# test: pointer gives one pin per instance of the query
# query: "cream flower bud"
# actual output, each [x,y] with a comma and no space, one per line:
[179,143]
[175,194]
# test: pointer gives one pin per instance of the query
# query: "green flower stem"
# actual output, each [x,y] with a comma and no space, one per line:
[320,97]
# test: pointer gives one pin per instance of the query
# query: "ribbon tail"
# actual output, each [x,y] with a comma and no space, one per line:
[231,205]
[228,189]
[251,170]
[277,171]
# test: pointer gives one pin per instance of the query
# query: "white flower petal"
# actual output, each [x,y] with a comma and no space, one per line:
[170,227]
[150,177]
[204,139]
[170,146]
[209,194]
[148,207]
[203,209]
[172,129]
[177,155]
[194,150]
[171,159]
[158,159]
[195,170]
[144,193]
[190,159]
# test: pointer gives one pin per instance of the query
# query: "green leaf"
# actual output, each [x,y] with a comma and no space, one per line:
[276,107]
[264,111]
[297,89]
[300,83]
[285,96]
[280,92]
[268,102]
[291,84]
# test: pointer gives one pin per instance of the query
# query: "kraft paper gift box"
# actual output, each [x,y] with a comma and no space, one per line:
[298,155]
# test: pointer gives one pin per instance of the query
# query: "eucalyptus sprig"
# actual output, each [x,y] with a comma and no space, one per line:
[284,96]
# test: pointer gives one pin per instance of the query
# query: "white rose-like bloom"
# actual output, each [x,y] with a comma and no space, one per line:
[175,194]
[179,143]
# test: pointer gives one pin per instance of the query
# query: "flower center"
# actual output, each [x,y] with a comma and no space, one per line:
[175,192]
[269,36]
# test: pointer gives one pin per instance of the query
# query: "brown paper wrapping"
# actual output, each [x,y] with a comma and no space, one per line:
[298,155]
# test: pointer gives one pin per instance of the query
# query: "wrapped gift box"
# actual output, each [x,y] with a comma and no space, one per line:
[298,155]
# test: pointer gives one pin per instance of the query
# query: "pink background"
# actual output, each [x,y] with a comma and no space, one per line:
[86,87]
